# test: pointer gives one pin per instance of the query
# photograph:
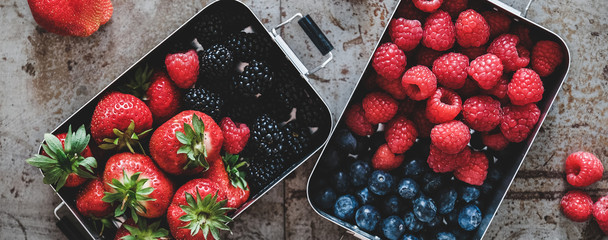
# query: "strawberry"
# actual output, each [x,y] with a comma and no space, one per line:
[131,231]
[183,68]
[231,181]
[235,135]
[89,203]
[71,17]
[183,143]
[66,159]
[137,185]
[163,97]
[386,160]
[119,121]
[198,211]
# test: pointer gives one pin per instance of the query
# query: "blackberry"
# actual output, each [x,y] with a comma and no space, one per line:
[275,108]
[297,140]
[311,111]
[255,79]
[260,174]
[218,85]
[216,62]
[208,30]
[249,46]
[203,100]
[287,89]
[244,109]
[267,136]
[178,44]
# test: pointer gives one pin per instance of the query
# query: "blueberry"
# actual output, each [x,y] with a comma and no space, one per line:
[331,160]
[326,198]
[408,188]
[359,172]
[486,188]
[365,196]
[435,222]
[424,208]
[446,200]
[494,174]
[363,143]
[341,182]
[469,193]
[452,218]
[445,236]
[392,205]
[411,222]
[393,227]
[345,206]
[415,168]
[380,182]
[469,217]
[409,237]
[345,141]
[431,182]
[367,217]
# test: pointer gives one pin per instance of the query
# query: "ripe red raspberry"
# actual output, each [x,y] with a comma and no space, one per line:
[496,141]
[498,21]
[523,33]
[469,89]
[486,70]
[379,107]
[386,160]
[500,89]
[451,137]
[473,52]
[406,34]
[454,7]
[443,106]
[407,10]
[442,162]
[423,125]
[600,213]
[400,134]
[426,56]
[583,169]
[577,205]
[451,70]
[439,32]
[419,83]
[357,123]
[473,171]
[482,113]
[391,86]
[236,135]
[389,61]
[525,87]
[512,57]
[546,56]
[518,121]
[472,30]
[427,5]
[183,68]
[406,107]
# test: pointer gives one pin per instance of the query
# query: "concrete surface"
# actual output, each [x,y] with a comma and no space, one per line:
[44,78]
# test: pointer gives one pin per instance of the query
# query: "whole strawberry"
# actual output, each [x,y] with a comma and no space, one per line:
[230,179]
[583,169]
[89,201]
[439,32]
[379,107]
[163,97]
[400,134]
[66,159]
[183,143]
[129,230]
[577,205]
[405,33]
[134,183]
[389,61]
[546,56]
[183,68]
[119,121]
[235,135]
[71,17]
[518,121]
[386,160]
[355,120]
[472,30]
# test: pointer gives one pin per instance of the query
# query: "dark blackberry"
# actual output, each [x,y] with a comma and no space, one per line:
[311,111]
[243,109]
[255,79]
[203,100]
[267,136]
[208,29]
[275,108]
[248,46]
[236,22]
[297,140]
[177,44]
[288,87]
[260,174]
[216,62]
[217,85]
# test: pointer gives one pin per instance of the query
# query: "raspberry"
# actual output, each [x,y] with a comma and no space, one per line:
[443,106]
[427,5]
[439,32]
[389,61]
[442,162]
[400,134]
[426,56]
[379,107]
[518,121]
[236,135]
[583,169]
[472,30]
[406,106]
[391,86]
[486,70]
[451,70]
[473,52]
[451,137]
[523,33]
[500,89]
[423,125]
[407,10]
[357,123]
[406,34]
[546,56]
[525,87]
[499,22]
[512,57]
[475,170]
[386,160]
[577,205]
[469,89]
[454,7]
[496,141]
[419,83]
[600,213]
[482,113]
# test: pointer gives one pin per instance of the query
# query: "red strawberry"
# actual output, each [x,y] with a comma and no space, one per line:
[135,183]
[183,68]
[65,166]
[474,171]
[163,97]
[400,134]
[386,160]
[236,135]
[141,230]
[117,118]
[183,143]
[89,203]
[355,120]
[71,17]
[198,208]
[231,181]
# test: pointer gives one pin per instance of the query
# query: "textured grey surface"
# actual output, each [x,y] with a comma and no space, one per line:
[44,78]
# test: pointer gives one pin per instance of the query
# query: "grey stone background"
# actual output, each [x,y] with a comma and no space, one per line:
[44,78]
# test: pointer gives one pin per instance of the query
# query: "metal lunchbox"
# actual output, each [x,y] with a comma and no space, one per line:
[75,226]
[515,152]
